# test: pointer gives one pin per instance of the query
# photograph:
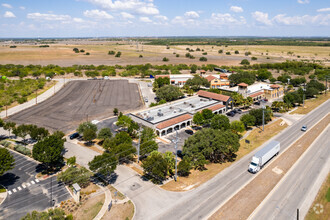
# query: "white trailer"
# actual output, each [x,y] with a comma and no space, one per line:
[263,156]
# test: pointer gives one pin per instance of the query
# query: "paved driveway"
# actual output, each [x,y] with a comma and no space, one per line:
[25,192]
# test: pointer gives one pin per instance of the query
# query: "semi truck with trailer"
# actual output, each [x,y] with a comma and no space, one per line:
[263,156]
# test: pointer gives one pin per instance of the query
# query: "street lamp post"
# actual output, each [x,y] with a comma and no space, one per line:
[175,141]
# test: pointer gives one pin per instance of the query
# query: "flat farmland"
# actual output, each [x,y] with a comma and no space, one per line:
[79,101]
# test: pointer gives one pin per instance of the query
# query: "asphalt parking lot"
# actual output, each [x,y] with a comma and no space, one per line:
[25,192]
[182,135]
[79,101]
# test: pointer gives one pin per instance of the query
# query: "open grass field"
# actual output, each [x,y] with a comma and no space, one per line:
[312,104]
[62,54]
[196,178]
[79,101]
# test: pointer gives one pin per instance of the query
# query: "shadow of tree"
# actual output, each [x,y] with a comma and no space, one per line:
[8,179]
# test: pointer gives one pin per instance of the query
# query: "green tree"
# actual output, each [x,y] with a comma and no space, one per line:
[71,161]
[257,113]
[198,119]
[104,164]
[220,51]
[49,151]
[124,121]
[169,93]
[161,81]
[245,62]
[220,122]
[236,52]
[115,111]
[124,152]
[37,133]
[263,74]
[7,161]
[193,68]
[148,143]
[184,167]
[9,126]
[75,175]
[89,135]
[59,134]
[165,59]
[203,59]
[237,126]
[22,131]
[196,82]
[104,133]
[155,167]
[245,77]
[86,125]
[170,161]
[2,123]
[119,138]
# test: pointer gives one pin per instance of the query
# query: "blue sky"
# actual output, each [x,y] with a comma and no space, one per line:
[96,18]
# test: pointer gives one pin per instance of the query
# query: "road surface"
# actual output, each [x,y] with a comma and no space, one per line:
[293,190]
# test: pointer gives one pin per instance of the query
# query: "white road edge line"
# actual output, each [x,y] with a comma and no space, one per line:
[269,163]
[280,183]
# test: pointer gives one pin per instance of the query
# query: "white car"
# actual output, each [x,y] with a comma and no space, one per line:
[106,77]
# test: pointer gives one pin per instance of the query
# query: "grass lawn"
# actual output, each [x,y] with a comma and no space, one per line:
[2,189]
[90,209]
[196,178]
[322,198]
[312,104]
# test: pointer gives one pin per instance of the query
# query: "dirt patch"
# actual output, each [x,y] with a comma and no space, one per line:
[120,211]
[79,101]
[196,178]
[246,201]
[322,198]
[312,104]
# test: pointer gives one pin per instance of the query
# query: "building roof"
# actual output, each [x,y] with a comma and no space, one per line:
[275,86]
[256,94]
[223,74]
[216,107]
[243,84]
[210,78]
[162,76]
[223,98]
[174,121]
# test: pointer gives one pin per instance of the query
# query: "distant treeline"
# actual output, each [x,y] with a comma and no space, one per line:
[241,41]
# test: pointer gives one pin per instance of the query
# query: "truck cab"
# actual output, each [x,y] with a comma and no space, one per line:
[254,165]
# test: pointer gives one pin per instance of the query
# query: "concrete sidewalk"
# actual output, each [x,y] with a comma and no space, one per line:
[32,102]
[106,203]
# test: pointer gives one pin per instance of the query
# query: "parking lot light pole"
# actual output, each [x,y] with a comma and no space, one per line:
[175,141]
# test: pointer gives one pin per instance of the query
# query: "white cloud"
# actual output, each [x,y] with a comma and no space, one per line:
[323,10]
[78,20]
[236,9]
[145,19]
[320,19]
[161,17]
[127,15]
[218,19]
[191,14]
[303,1]
[6,5]
[261,17]
[135,6]
[22,7]
[9,14]
[48,17]
[97,14]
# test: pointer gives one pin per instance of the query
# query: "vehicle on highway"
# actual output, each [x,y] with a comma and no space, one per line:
[304,128]
[263,156]
[74,135]
[231,113]
[190,132]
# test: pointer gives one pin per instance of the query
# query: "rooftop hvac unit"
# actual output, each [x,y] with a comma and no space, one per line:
[174,111]
[192,106]
[171,107]
[160,114]
[150,118]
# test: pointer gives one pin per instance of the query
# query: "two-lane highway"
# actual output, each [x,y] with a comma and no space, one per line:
[293,190]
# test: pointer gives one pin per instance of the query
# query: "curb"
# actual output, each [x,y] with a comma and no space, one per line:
[6,194]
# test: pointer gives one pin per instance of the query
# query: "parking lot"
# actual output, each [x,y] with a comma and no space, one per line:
[79,101]
[25,192]
[182,135]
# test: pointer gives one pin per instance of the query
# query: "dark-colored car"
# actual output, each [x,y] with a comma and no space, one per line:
[231,113]
[237,110]
[74,135]
[257,103]
[190,132]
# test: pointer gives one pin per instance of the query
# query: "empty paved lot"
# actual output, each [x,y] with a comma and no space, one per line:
[79,101]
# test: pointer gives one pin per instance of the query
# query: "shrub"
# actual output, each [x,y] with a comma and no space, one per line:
[236,52]
[13,46]
[254,58]
[165,59]
[22,150]
[118,54]
[140,56]
[88,53]
[82,51]
[177,55]
[220,51]
[245,62]
[228,53]
[205,53]
[247,53]
[111,52]
[203,59]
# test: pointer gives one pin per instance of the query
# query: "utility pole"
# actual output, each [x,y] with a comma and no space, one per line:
[51,192]
[304,89]
[6,110]
[138,150]
[297,214]
[175,141]
[263,117]
[36,97]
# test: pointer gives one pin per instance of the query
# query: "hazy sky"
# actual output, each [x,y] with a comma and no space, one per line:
[95,18]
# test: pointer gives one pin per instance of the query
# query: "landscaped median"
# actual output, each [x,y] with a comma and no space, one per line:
[246,200]
[255,139]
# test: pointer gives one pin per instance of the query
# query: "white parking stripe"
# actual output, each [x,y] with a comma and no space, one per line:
[33,182]
[9,192]
[37,181]
[23,186]
[19,188]
[14,190]
[28,184]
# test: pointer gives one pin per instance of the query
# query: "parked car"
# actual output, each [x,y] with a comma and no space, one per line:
[106,77]
[74,135]
[149,84]
[304,128]
[146,99]
[231,113]
[190,132]
[257,103]
[237,110]
[265,100]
